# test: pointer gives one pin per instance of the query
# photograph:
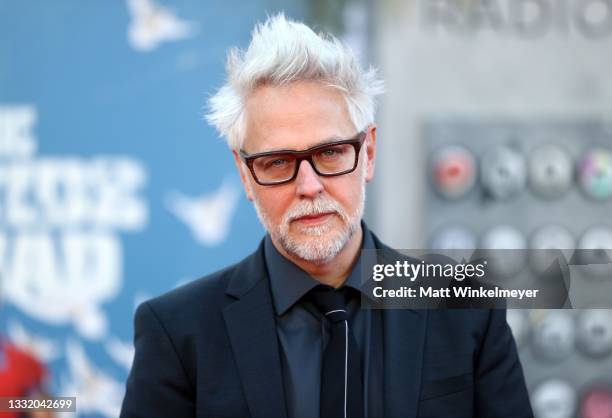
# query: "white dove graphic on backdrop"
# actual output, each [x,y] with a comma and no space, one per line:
[96,391]
[153,24]
[121,352]
[209,216]
[42,348]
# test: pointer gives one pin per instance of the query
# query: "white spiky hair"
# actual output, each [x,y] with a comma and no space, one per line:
[283,51]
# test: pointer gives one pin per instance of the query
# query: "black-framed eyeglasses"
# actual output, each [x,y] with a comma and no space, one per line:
[327,160]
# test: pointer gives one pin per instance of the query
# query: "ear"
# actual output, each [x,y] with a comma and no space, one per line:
[370,146]
[244,175]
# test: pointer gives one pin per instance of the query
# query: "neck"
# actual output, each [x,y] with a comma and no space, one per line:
[334,272]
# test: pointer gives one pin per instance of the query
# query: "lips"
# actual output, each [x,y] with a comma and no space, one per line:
[314,218]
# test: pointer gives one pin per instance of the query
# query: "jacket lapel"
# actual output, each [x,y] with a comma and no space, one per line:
[251,327]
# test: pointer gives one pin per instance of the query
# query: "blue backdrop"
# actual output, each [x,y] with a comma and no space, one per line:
[113,189]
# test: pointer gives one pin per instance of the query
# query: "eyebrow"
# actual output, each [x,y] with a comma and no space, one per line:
[329,140]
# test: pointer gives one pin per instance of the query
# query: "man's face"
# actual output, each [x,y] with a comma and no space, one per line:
[312,217]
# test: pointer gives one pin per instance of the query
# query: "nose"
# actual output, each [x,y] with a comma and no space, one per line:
[308,181]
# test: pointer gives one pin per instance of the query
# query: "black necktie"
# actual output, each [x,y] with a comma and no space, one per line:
[341,386]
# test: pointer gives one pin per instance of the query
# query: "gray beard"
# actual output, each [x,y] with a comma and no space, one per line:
[313,246]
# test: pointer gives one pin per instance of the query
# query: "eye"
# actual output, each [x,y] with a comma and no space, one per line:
[331,152]
[276,163]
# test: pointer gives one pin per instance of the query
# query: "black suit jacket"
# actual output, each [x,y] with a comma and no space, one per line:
[210,349]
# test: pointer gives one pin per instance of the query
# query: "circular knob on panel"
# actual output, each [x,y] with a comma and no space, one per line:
[550,243]
[594,332]
[597,402]
[454,238]
[550,171]
[504,172]
[553,336]
[595,174]
[505,247]
[595,251]
[554,399]
[454,172]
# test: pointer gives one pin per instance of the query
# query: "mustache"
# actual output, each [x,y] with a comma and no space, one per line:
[314,207]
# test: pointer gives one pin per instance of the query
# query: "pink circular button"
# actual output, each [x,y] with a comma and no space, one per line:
[454,172]
[597,403]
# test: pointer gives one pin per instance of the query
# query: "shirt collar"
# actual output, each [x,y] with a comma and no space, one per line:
[290,283]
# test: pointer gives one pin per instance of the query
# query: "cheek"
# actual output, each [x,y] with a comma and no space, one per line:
[346,191]
[275,201]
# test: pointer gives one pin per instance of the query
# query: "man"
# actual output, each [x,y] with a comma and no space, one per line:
[281,334]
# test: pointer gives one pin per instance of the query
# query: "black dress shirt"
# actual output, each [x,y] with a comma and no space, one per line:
[303,336]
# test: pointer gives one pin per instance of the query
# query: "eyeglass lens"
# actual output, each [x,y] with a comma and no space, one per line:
[333,159]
